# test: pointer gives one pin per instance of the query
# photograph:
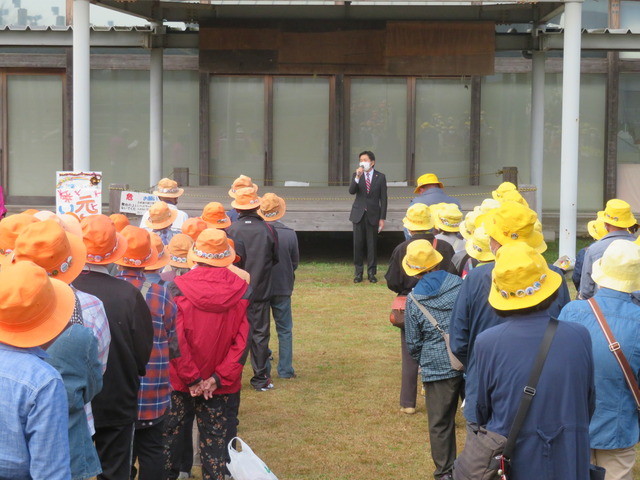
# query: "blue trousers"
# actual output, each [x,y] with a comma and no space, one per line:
[281,310]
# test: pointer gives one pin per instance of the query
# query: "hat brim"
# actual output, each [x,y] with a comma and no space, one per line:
[593,230]
[159,226]
[416,227]
[232,193]
[79,258]
[484,256]
[548,287]
[603,280]
[169,195]
[425,184]
[180,264]
[437,259]
[219,226]
[445,228]
[161,261]
[464,231]
[237,206]
[152,259]
[51,327]
[116,255]
[192,259]
[282,209]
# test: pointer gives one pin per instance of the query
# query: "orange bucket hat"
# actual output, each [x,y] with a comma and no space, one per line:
[272,207]
[163,253]
[46,244]
[10,228]
[161,216]
[214,215]
[140,253]
[119,220]
[194,227]
[33,307]
[212,248]
[246,199]
[168,188]
[104,244]
[178,248]
[241,182]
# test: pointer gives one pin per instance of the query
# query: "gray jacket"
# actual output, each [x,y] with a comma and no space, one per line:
[283,273]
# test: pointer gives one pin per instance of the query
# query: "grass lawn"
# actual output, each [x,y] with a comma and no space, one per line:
[340,419]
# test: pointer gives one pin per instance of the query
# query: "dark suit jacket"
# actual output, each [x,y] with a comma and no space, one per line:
[374,203]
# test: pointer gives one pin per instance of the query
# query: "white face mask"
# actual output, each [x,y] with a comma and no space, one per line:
[366,166]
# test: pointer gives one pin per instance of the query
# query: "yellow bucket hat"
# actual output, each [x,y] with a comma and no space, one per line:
[478,246]
[448,218]
[420,257]
[513,196]
[512,223]
[521,278]
[502,189]
[618,213]
[427,179]
[596,227]
[542,246]
[619,267]
[418,218]
[468,225]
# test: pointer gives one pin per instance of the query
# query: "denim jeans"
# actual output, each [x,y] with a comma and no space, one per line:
[281,309]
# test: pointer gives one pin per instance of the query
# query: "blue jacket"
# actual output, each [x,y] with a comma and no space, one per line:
[553,443]
[473,314]
[437,292]
[434,195]
[74,355]
[615,421]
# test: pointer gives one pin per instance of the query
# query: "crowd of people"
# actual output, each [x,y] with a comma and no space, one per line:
[114,337]
[479,293]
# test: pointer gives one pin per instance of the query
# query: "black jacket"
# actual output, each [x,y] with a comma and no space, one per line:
[261,246]
[131,329]
[283,274]
[374,203]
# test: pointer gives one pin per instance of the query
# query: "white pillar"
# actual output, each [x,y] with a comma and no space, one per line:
[537,127]
[155,114]
[570,128]
[81,87]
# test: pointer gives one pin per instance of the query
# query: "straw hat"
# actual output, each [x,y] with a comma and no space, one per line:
[618,213]
[168,188]
[140,253]
[420,257]
[246,199]
[119,220]
[427,179]
[163,253]
[104,244]
[514,196]
[478,245]
[272,207]
[503,188]
[418,218]
[161,216]
[214,215]
[448,217]
[46,244]
[619,267]
[212,248]
[521,278]
[513,222]
[596,227]
[34,308]
[194,227]
[241,182]
[468,226]
[10,228]
[178,248]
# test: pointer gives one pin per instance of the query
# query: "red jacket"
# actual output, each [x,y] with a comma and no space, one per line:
[212,328]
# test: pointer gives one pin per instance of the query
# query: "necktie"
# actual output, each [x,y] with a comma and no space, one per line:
[368,181]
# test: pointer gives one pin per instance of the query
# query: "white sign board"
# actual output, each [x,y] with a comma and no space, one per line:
[136,202]
[79,193]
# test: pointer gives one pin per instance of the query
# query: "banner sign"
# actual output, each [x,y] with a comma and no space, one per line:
[136,202]
[79,193]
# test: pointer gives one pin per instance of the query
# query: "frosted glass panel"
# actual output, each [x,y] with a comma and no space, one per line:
[442,130]
[505,126]
[629,119]
[35,133]
[301,130]
[120,126]
[237,129]
[181,123]
[379,124]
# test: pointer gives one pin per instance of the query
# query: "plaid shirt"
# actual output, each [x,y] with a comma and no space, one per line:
[154,393]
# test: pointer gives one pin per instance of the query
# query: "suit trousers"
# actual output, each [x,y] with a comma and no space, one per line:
[409,385]
[442,404]
[365,237]
[114,445]
[259,317]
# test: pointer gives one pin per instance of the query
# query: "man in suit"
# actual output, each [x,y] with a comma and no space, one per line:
[368,214]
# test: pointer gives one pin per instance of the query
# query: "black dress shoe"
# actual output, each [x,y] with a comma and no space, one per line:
[357,279]
[373,279]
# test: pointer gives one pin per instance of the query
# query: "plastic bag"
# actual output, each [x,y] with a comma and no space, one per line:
[246,465]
